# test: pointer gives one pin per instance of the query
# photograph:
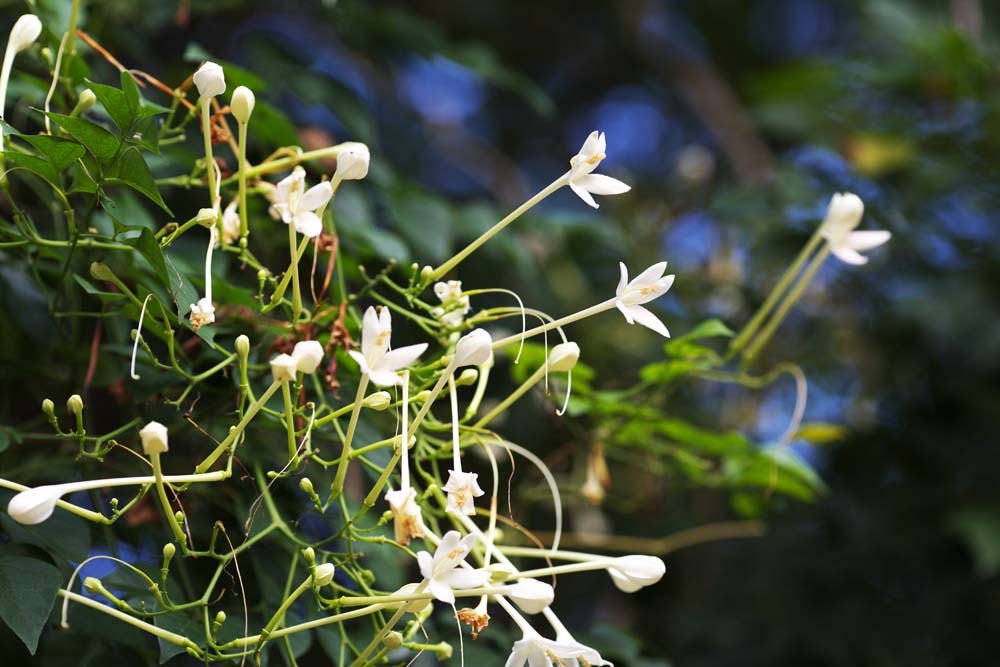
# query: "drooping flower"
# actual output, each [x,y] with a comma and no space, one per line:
[531,595]
[352,162]
[477,619]
[648,285]
[473,348]
[407,521]
[33,506]
[442,571]
[202,313]
[297,206]
[843,215]
[308,354]
[154,438]
[462,487]
[210,80]
[535,650]
[376,359]
[582,181]
[630,573]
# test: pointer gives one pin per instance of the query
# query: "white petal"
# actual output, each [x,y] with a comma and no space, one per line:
[849,255]
[658,289]
[583,194]
[360,359]
[383,378]
[649,320]
[623,281]
[385,320]
[626,311]
[285,185]
[649,276]
[401,357]
[308,224]
[369,329]
[441,591]
[600,184]
[316,196]
[461,578]
[867,240]
[426,563]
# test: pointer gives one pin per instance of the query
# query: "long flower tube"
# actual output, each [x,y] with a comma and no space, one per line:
[210,81]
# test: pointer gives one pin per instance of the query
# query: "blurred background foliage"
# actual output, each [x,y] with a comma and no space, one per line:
[734,122]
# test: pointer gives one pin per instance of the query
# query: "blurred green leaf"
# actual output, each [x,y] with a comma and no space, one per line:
[27,592]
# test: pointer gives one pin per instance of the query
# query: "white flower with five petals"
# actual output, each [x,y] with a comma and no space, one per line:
[582,181]
[375,359]
[843,215]
[462,487]
[645,287]
[442,571]
[297,206]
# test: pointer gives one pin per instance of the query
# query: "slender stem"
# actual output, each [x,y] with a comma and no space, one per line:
[455,451]
[206,131]
[514,395]
[779,290]
[790,300]
[242,176]
[554,324]
[171,637]
[404,451]
[293,268]
[279,615]
[286,393]
[281,164]
[74,15]
[279,291]
[380,635]
[345,455]
[497,228]
[435,392]
[235,432]
[161,491]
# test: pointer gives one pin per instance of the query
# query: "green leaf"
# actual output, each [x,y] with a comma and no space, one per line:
[181,623]
[64,535]
[146,134]
[102,144]
[27,592]
[4,441]
[61,153]
[708,329]
[115,104]
[82,180]
[148,246]
[131,170]
[425,221]
[33,164]
[130,91]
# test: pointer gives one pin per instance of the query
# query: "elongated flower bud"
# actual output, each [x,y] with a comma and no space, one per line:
[210,80]
[531,595]
[74,404]
[33,506]
[242,104]
[630,573]
[380,400]
[564,356]
[474,348]
[24,33]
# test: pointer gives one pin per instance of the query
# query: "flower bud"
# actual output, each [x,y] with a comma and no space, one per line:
[309,554]
[393,640]
[207,217]
[154,438]
[220,617]
[473,348]
[100,271]
[563,357]
[48,407]
[24,33]
[242,345]
[283,368]
[168,553]
[413,606]
[467,377]
[380,400]
[210,80]
[92,585]
[844,212]
[33,506]
[179,517]
[531,595]
[74,404]
[242,104]
[630,573]
[308,354]
[307,486]
[500,572]
[352,162]
[86,100]
[323,575]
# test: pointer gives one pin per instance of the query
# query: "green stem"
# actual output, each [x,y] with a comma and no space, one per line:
[555,324]
[161,491]
[206,131]
[238,429]
[345,455]
[286,393]
[516,394]
[166,635]
[242,176]
[293,268]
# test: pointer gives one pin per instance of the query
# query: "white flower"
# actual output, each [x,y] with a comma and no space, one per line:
[375,358]
[454,304]
[297,206]
[589,657]
[210,80]
[647,286]
[582,181]
[283,368]
[308,354]
[230,223]
[154,438]
[537,651]
[531,595]
[442,572]
[202,313]
[352,162]
[33,506]
[26,30]
[474,348]
[630,573]
[242,104]
[843,215]
[462,487]
[564,356]
[407,521]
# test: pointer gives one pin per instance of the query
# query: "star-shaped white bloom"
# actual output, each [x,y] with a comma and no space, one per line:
[441,570]
[645,287]
[462,487]
[843,215]
[537,651]
[375,358]
[407,521]
[202,313]
[297,206]
[582,181]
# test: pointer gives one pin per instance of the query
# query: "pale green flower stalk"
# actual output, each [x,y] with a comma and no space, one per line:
[241,107]
[210,81]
